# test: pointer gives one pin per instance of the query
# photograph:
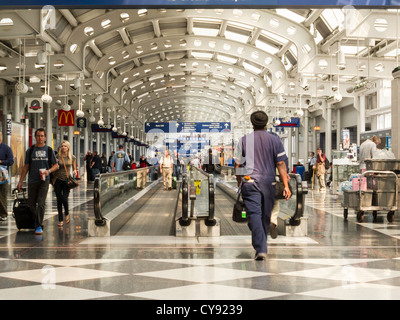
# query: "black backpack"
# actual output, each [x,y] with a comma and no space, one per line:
[327,164]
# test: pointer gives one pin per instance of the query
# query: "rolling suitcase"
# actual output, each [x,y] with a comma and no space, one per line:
[23,216]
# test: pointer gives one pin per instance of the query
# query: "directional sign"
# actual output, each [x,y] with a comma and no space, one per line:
[175,127]
[203,3]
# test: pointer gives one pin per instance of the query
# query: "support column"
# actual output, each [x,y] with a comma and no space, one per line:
[328,132]
[17,108]
[396,117]
[361,117]
[5,115]
[290,147]
[306,135]
[338,128]
[49,126]
[71,136]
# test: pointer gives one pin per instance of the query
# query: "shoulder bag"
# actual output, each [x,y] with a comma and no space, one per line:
[239,210]
[71,182]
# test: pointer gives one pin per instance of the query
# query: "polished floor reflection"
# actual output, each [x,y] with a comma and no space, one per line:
[336,260]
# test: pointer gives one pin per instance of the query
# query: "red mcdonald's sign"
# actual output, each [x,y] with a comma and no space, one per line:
[66,118]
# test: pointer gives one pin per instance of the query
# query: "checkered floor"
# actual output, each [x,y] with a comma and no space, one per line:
[336,260]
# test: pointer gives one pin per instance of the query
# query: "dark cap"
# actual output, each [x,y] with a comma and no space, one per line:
[259,119]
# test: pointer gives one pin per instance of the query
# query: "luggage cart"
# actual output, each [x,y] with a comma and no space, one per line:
[380,195]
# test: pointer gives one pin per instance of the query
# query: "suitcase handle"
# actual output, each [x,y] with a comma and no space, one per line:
[16,191]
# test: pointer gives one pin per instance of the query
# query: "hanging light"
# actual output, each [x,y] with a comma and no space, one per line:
[21,87]
[337,97]
[340,60]
[80,114]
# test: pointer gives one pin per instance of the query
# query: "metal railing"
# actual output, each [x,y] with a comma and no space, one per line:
[112,189]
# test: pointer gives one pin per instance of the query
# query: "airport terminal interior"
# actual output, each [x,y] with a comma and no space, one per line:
[187,79]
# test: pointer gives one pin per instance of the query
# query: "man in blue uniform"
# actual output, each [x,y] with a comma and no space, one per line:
[258,155]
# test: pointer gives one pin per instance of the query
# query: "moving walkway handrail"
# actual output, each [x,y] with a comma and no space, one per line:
[210,221]
[185,201]
[99,218]
[300,191]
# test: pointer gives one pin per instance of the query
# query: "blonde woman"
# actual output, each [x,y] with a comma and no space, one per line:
[61,189]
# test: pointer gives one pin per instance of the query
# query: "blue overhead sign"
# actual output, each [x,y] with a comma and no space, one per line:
[211,3]
[187,127]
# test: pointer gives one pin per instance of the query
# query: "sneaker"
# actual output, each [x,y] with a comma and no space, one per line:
[273,231]
[261,256]
[39,230]
[3,218]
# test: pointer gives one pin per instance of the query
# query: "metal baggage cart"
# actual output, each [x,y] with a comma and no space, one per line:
[380,195]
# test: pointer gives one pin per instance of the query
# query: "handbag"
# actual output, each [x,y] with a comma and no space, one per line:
[239,210]
[71,182]
[4,176]
[279,187]
[126,165]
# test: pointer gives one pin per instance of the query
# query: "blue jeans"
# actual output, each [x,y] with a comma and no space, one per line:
[95,172]
[259,199]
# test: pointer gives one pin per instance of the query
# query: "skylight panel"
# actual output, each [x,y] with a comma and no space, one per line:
[351,49]
[291,15]
[252,68]
[266,47]
[274,37]
[202,55]
[333,18]
[236,36]
[226,59]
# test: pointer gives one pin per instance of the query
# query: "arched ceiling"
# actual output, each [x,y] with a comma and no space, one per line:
[196,64]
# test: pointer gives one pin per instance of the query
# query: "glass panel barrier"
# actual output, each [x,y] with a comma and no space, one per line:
[113,189]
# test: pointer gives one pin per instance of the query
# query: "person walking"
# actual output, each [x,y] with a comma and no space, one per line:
[166,167]
[118,159]
[6,161]
[257,157]
[67,167]
[40,161]
[88,159]
[320,170]
[142,174]
[95,165]
[367,149]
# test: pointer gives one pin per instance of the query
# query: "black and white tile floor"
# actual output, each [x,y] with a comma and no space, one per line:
[337,260]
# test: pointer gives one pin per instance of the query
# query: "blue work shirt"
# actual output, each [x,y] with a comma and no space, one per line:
[258,153]
[118,159]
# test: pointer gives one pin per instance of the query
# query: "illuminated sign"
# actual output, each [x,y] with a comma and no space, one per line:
[66,118]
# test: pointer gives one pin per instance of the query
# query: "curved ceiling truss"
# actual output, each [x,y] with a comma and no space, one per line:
[193,64]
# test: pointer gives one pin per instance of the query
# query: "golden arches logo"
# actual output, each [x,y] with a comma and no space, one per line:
[66,118]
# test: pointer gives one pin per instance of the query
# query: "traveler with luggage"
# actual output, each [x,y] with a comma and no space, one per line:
[118,159]
[258,155]
[40,162]
[67,167]
[6,161]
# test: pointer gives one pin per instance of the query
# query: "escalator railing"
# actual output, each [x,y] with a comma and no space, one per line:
[112,189]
